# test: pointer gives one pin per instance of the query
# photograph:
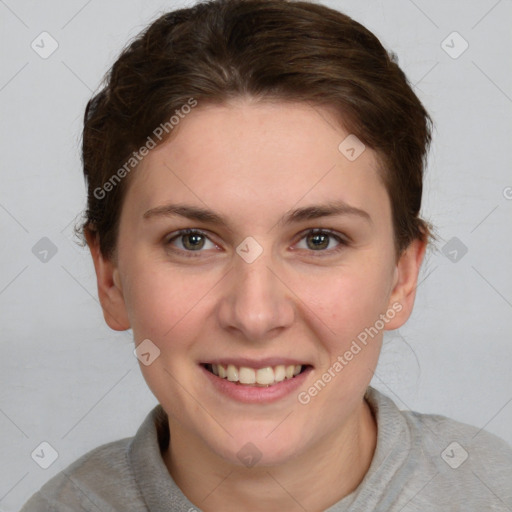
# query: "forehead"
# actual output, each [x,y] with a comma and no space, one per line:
[258,157]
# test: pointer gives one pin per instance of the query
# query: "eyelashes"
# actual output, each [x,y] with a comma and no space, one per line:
[199,239]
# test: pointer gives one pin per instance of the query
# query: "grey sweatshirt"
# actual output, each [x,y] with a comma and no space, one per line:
[422,462]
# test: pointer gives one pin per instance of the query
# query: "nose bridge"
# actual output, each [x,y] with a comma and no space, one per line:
[256,302]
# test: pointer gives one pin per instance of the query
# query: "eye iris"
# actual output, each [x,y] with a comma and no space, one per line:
[314,240]
[196,238]
[319,237]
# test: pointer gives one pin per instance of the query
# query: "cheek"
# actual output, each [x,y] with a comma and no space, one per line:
[347,301]
[161,300]
[169,305]
[166,308]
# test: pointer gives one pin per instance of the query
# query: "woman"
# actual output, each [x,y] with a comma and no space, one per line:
[254,173]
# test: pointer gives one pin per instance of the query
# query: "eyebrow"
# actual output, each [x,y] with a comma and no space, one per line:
[191,212]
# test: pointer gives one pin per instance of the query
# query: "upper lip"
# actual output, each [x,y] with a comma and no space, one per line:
[256,363]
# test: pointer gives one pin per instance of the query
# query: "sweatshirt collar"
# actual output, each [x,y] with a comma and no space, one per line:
[160,492]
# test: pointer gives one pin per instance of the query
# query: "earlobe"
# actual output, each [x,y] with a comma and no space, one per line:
[109,287]
[405,283]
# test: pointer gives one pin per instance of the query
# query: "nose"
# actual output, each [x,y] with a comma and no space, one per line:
[256,304]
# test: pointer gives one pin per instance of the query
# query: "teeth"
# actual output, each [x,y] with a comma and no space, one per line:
[279,373]
[246,375]
[262,376]
[232,373]
[265,376]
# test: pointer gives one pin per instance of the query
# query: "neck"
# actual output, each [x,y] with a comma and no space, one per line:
[338,462]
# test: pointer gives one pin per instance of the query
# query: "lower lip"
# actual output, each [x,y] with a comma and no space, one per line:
[256,394]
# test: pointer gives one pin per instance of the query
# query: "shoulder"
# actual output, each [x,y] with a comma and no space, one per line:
[432,462]
[92,482]
[464,467]
[456,442]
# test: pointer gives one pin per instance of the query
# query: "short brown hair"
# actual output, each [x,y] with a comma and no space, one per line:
[265,49]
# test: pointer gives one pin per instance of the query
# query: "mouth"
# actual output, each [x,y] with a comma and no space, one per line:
[256,377]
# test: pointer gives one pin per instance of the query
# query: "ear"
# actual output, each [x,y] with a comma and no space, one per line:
[405,282]
[109,287]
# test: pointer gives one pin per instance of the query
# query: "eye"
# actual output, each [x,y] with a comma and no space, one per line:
[189,240]
[319,240]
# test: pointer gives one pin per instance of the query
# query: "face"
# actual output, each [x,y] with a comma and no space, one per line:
[268,278]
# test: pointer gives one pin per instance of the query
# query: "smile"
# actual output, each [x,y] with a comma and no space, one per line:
[244,375]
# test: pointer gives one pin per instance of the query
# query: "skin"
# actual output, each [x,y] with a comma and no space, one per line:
[252,162]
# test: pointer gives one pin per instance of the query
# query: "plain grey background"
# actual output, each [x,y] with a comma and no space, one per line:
[70,381]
